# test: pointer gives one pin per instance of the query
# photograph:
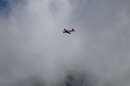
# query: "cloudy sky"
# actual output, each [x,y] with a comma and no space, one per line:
[32,42]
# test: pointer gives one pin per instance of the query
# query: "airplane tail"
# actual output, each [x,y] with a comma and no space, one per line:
[73,29]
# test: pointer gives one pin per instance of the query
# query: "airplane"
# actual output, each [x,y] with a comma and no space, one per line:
[68,31]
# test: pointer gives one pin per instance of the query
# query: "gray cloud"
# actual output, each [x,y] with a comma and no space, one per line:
[32,43]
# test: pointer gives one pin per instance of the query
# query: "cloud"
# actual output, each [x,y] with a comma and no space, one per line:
[32,43]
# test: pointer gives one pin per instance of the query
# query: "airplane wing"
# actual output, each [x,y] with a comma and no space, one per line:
[67,31]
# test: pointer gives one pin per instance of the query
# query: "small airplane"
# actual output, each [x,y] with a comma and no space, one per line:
[68,31]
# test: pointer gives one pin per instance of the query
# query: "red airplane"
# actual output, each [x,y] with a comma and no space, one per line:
[68,31]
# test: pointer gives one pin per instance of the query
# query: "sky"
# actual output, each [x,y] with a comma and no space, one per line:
[34,47]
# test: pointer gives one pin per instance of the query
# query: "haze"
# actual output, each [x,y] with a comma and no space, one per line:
[33,45]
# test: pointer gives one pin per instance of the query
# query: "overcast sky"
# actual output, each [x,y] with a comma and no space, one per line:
[32,42]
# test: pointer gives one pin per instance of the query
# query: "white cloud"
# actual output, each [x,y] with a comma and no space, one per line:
[33,44]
